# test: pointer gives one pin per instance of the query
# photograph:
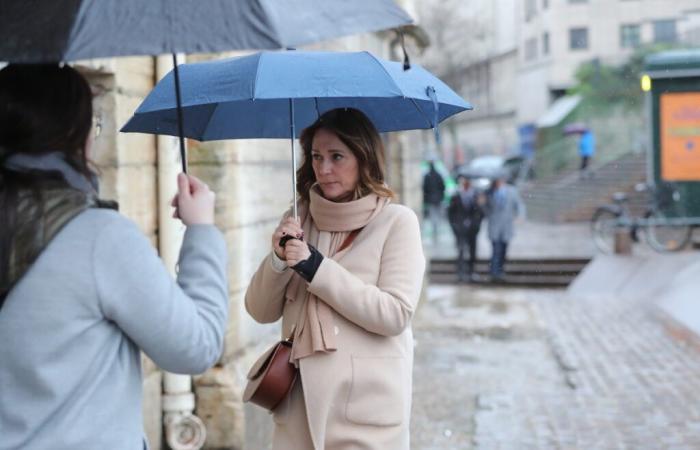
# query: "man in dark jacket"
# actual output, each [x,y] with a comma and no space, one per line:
[465,214]
[433,193]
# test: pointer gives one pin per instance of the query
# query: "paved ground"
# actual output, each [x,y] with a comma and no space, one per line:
[531,369]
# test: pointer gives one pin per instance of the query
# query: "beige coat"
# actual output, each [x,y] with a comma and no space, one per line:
[360,395]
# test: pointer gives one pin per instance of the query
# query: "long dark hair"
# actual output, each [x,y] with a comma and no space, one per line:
[43,108]
[356,131]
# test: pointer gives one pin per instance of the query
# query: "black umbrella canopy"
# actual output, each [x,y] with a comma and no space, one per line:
[68,30]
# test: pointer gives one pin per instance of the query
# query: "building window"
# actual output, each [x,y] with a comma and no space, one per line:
[630,36]
[665,31]
[531,49]
[545,4]
[545,43]
[578,38]
[530,9]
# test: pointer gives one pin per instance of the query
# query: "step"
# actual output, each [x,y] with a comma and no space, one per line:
[509,281]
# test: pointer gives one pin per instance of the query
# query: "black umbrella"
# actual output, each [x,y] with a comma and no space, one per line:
[68,30]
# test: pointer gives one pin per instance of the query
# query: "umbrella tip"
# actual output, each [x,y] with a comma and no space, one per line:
[406,61]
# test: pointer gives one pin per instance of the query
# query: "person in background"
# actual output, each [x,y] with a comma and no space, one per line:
[503,207]
[465,213]
[82,290]
[586,149]
[433,194]
[346,287]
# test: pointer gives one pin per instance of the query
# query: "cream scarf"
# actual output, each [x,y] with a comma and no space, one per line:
[326,224]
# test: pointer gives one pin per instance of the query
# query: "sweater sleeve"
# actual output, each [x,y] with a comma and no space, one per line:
[179,325]
[388,307]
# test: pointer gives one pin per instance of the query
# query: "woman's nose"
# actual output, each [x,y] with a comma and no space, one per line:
[325,167]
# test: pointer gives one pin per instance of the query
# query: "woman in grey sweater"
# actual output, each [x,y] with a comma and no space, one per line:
[82,290]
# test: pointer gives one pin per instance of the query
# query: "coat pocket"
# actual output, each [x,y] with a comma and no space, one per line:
[377,390]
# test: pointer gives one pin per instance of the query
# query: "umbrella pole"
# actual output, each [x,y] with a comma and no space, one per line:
[180,119]
[294,159]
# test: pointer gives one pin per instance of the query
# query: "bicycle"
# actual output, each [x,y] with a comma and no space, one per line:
[663,203]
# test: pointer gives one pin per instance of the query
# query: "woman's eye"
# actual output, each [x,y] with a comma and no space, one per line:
[337,156]
[316,157]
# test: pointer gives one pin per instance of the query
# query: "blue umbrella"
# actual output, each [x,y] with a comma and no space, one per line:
[278,94]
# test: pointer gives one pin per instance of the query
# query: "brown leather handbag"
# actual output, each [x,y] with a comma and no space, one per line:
[271,377]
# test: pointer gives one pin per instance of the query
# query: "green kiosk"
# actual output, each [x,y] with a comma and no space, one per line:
[672,82]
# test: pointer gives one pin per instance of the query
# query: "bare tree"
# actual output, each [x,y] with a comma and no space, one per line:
[456,37]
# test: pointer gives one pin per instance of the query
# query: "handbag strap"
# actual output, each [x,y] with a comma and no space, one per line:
[349,239]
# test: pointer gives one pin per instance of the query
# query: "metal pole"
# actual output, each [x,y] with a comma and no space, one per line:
[294,159]
[180,119]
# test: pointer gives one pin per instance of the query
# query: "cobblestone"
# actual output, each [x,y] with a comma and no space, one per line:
[570,374]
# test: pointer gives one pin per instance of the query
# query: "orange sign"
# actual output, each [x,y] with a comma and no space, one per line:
[680,136]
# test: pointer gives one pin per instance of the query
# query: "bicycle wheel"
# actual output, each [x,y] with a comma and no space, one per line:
[666,238]
[603,229]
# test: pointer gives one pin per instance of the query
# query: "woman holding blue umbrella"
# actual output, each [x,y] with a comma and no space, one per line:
[346,286]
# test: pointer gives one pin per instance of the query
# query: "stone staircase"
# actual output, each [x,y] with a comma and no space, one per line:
[566,197]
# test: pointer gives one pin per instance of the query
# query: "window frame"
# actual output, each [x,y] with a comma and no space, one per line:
[630,26]
[655,28]
[572,41]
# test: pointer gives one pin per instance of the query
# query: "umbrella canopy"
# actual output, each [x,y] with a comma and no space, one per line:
[250,96]
[68,30]
[575,128]
[277,94]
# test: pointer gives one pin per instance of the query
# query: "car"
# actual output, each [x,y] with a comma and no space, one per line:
[482,170]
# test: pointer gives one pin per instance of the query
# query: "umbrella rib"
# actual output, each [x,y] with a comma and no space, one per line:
[430,124]
[257,74]
[318,111]
[208,121]
[387,73]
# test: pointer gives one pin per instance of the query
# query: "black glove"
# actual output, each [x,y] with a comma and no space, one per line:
[308,267]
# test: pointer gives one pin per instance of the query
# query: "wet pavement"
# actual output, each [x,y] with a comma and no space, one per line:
[503,368]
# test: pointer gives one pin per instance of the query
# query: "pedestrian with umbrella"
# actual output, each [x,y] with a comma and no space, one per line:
[586,149]
[347,282]
[586,145]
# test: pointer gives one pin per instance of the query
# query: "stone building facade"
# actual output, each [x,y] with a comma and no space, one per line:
[252,179]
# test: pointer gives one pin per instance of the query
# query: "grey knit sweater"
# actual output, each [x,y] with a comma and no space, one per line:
[72,328]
